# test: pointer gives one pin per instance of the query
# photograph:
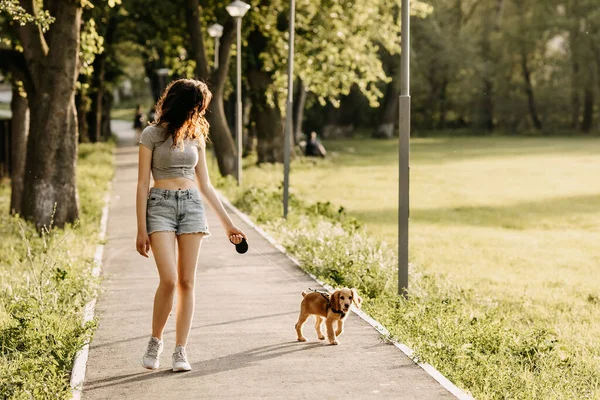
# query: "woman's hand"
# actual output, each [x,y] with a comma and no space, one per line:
[142,243]
[235,235]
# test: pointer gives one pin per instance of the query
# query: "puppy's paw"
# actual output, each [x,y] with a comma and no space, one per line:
[322,337]
[302,339]
[334,342]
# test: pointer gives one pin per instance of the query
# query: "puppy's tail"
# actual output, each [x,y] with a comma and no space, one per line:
[304,294]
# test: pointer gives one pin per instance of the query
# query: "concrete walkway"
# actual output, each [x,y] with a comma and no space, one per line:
[242,343]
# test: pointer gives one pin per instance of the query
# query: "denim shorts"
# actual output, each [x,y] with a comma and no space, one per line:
[179,211]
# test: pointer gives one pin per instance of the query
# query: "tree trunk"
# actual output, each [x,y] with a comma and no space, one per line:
[529,91]
[194,29]
[153,78]
[248,135]
[588,110]
[83,104]
[443,103]
[49,192]
[575,104]
[340,121]
[221,136]
[219,129]
[489,56]
[388,113]
[18,147]
[94,117]
[268,119]
[105,130]
[299,104]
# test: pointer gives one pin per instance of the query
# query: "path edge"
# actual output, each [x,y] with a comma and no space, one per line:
[80,361]
[428,368]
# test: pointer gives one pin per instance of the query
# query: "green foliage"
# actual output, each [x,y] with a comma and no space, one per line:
[18,14]
[336,46]
[45,281]
[91,44]
[494,63]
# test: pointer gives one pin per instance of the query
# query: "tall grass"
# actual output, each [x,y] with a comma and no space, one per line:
[45,281]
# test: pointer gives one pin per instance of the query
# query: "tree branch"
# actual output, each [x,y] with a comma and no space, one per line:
[31,36]
[33,42]
[470,13]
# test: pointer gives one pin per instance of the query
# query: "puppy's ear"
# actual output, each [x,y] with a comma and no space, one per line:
[356,299]
[334,300]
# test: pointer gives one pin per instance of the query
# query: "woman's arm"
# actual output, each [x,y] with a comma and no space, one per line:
[141,199]
[209,193]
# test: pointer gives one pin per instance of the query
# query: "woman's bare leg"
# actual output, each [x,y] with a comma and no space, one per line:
[163,248]
[189,249]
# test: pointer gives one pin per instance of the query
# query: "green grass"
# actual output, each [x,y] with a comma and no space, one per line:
[45,281]
[505,246]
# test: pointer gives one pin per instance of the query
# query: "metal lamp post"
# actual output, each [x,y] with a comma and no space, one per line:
[216,31]
[404,153]
[289,121]
[237,10]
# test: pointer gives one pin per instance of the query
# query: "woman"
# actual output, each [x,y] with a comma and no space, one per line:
[171,213]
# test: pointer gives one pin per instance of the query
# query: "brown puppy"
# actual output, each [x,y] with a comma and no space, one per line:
[331,308]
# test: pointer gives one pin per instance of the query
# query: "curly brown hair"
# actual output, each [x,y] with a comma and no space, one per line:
[181,107]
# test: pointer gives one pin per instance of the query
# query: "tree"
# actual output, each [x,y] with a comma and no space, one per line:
[52,64]
[336,48]
[220,133]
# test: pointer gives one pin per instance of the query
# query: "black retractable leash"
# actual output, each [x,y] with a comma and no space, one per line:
[241,247]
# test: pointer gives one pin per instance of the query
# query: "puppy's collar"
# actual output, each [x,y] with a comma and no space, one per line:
[343,314]
[328,298]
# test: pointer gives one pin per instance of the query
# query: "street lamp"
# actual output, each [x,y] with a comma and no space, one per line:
[216,31]
[237,10]
[404,152]
[289,122]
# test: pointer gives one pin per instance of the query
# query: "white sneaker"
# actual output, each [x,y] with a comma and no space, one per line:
[180,362]
[150,359]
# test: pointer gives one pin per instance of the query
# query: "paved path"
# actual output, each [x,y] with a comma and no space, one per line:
[242,342]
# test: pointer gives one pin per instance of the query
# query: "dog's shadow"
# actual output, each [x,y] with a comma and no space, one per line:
[208,367]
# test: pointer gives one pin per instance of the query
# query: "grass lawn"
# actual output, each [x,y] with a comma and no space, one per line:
[505,216]
[514,221]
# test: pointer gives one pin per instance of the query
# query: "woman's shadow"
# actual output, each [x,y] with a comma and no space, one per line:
[208,367]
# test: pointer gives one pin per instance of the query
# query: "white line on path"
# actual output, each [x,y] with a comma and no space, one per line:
[79,365]
[434,373]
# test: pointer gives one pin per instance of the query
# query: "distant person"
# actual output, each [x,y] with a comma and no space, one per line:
[314,148]
[138,123]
